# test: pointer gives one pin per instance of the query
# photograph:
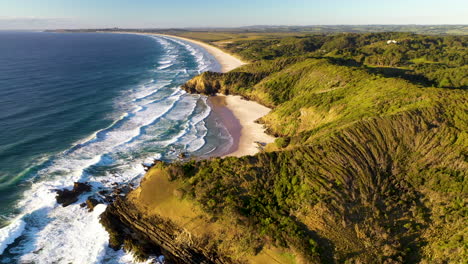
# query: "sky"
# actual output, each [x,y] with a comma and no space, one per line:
[53,14]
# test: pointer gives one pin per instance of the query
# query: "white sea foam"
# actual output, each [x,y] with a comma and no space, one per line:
[163,67]
[82,231]
[150,160]
[149,89]
[49,233]
[204,60]
[157,111]
[199,127]
[10,233]
[94,135]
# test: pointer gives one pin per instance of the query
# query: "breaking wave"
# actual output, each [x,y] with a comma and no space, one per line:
[154,120]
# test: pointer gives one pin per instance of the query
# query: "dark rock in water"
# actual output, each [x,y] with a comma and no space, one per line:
[66,197]
[124,189]
[91,203]
[183,155]
[108,199]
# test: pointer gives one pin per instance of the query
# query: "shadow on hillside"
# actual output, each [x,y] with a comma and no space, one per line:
[387,72]
[405,74]
[326,246]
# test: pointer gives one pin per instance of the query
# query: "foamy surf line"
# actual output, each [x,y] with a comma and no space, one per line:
[46,232]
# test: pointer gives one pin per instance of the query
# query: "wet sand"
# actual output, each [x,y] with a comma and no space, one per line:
[239,116]
[236,114]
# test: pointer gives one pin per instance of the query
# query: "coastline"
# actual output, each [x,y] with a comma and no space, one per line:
[236,114]
[237,210]
[228,62]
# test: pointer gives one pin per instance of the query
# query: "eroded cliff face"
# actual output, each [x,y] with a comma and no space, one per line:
[146,235]
[375,191]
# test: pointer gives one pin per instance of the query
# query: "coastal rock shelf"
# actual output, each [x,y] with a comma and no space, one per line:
[147,236]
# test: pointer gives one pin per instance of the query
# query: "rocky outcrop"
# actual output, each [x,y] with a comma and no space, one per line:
[207,83]
[66,197]
[91,203]
[145,236]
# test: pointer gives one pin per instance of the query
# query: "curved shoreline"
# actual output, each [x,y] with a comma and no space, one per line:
[227,61]
[237,114]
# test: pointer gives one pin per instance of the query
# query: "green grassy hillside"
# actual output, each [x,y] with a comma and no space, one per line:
[384,189]
[383,161]
[370,164]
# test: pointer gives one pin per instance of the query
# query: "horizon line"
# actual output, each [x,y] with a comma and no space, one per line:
[231,27]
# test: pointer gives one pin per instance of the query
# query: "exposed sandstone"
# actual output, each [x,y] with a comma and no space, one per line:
[147,236]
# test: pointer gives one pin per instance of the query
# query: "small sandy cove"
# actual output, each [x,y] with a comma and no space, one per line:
[238,115]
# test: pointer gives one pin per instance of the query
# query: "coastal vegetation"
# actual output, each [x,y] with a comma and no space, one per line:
[211,34]
[369,165]
[439,61]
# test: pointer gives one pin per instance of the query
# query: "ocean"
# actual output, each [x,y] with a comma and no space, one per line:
[93,108]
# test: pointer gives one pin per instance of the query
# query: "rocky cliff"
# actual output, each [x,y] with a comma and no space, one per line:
[145,236]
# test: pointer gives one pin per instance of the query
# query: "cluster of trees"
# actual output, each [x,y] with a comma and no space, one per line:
[379,156]
[256,192]
[442,57]
[361,181]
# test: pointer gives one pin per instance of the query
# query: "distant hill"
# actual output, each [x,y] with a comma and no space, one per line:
[420,29]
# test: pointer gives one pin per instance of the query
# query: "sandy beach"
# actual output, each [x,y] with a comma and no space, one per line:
[228,62]
[238,115]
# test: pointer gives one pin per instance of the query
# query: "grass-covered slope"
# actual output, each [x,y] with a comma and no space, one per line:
[382,189]
[311,97]
[372,168]
[367,168]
